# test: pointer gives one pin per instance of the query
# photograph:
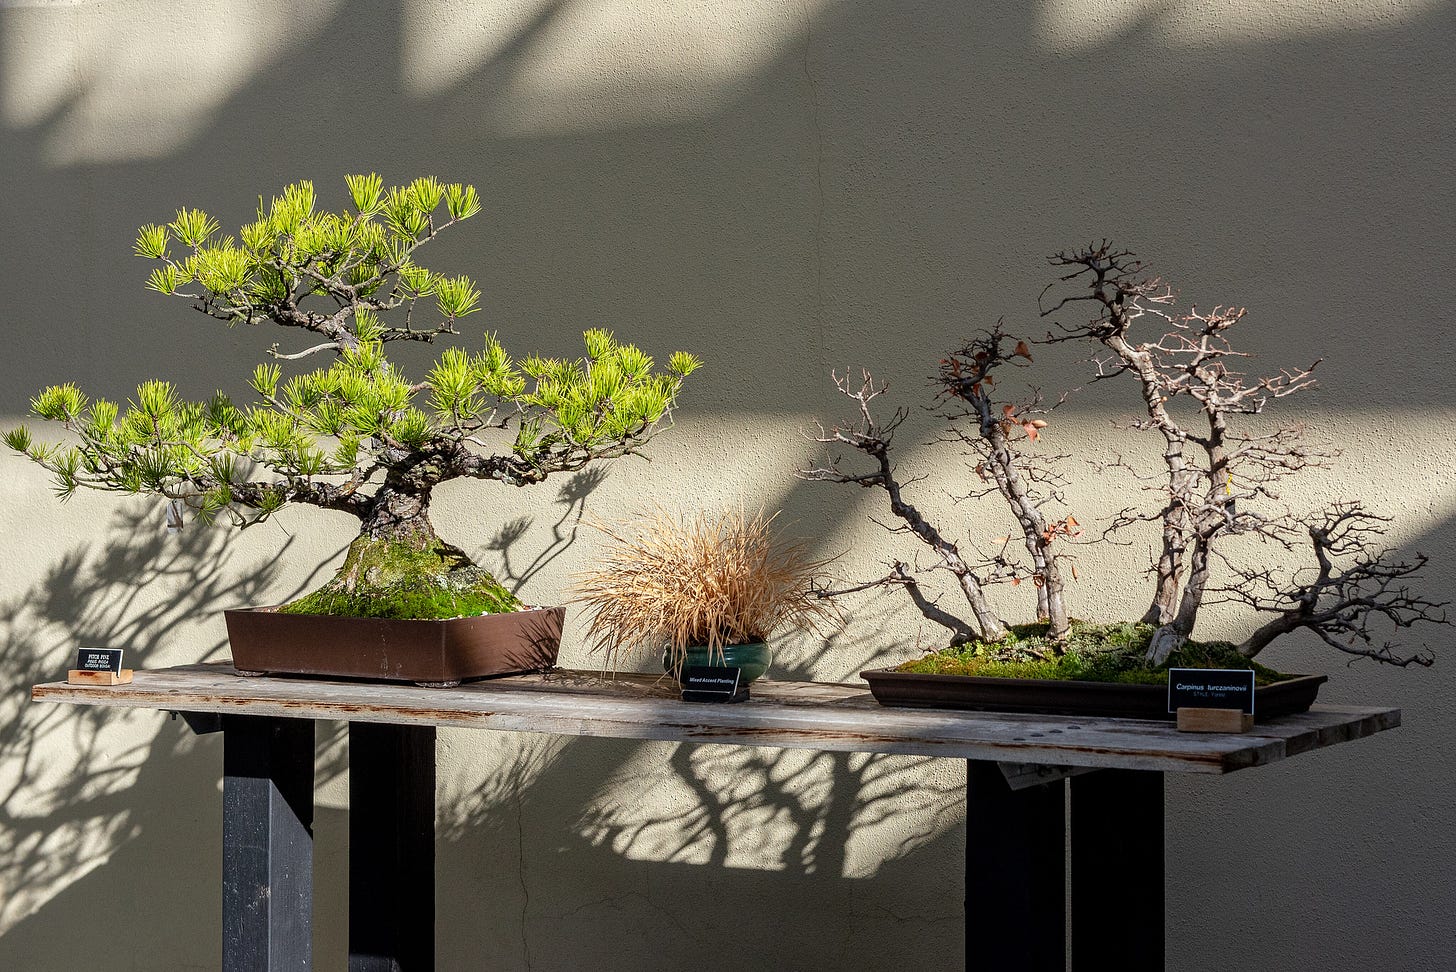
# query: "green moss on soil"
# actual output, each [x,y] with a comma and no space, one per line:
[390,579]
[1094,653]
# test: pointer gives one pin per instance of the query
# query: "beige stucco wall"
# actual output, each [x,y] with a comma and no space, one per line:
[782,188]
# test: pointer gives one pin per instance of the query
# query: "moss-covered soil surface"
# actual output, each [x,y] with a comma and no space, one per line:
[382,579]
[1095,653]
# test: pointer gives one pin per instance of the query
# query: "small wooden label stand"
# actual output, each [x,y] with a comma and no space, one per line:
[77,676]
[1214,720]
[98,666]
[1212,699]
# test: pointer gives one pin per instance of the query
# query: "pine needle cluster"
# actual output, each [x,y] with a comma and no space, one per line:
[291,250]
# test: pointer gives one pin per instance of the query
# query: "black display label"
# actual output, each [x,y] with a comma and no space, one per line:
[702,683]
[1211,688]
[98,660]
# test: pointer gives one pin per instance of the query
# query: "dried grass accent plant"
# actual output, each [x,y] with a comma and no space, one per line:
[668,583]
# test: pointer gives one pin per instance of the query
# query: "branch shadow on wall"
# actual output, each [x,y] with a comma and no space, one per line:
[93,797]
[516,569]
[672,858]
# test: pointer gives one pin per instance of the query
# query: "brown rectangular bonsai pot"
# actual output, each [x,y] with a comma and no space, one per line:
[1065,696]
[430,652]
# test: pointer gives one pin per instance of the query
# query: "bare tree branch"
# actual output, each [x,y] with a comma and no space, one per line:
[1211,487]
[1219,479]
[1351,587]
[968,377]
[873,440]
[900,576]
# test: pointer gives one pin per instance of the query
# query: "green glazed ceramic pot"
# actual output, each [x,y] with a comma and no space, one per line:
[754,659]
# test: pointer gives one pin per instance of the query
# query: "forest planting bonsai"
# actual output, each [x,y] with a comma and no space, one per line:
[354,435]
[1218,480]
[706,589]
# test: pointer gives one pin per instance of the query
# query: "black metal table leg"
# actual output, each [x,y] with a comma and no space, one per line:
[267,841]
[1117,871]
[391,848]
[1015,873]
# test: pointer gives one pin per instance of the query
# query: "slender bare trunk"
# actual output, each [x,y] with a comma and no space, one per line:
[1173,634]
[1175,520]
[1169,571]
[873,440]
[1050,594]
[991,625]
[1198,570]
[1035,532]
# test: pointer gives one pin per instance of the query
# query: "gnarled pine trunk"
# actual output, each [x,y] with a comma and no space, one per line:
[399,568]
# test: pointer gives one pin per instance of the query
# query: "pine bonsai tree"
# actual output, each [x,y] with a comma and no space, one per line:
[355,435]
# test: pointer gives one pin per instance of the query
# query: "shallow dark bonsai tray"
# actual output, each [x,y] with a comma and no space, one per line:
[1066,697]
[426,652]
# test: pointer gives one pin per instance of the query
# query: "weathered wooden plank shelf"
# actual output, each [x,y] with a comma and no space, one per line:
[795,715]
